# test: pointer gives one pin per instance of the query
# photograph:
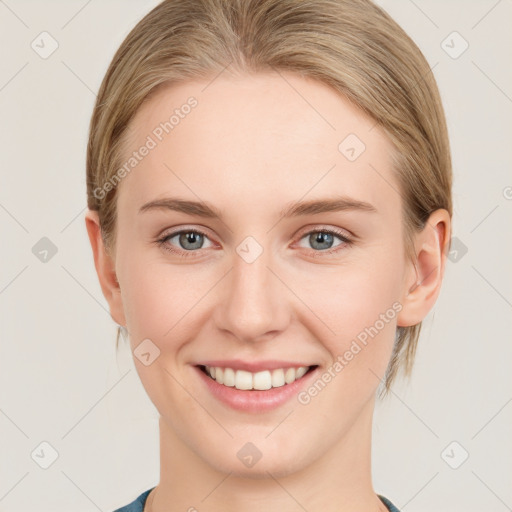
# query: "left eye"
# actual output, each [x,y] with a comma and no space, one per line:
[322,240]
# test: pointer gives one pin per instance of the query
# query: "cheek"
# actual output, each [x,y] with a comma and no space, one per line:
[359,304]
[350,298]
[363,319]
[160,299]
[146,299]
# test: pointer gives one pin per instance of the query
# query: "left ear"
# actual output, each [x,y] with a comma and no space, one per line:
[424,276]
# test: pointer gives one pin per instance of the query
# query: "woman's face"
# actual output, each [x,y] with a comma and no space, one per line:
[257,289]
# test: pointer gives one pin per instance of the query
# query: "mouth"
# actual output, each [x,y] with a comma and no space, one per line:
[260,381]
[255,392]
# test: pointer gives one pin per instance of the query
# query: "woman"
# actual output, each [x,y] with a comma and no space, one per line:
[269,193]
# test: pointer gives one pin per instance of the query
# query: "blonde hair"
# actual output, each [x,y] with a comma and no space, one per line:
[353,46]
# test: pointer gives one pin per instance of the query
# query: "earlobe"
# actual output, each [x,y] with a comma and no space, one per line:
[425,275]
[105,268]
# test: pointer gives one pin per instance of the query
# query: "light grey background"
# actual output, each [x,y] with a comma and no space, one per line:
[60,381]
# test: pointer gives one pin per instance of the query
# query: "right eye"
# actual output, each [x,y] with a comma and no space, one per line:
[189,240]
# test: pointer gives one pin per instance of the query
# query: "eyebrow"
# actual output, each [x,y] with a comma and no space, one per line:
[313,207]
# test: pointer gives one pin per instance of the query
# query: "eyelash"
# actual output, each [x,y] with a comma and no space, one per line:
[187,254]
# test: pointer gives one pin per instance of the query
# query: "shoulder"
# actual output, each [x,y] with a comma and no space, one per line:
[388,504]
[137,505]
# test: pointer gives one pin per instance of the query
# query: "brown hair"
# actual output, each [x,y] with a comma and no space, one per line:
[353,46]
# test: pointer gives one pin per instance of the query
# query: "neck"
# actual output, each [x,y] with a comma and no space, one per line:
[338,481]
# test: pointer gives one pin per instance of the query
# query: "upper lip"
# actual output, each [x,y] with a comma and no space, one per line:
[252,366]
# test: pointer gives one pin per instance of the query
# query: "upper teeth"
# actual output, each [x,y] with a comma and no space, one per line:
[241,379]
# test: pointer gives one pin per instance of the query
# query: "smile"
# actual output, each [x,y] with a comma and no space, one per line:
[254,386]
[263,380]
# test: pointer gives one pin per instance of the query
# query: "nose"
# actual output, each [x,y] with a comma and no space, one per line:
[253,306]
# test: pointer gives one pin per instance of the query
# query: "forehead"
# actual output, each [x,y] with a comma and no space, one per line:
[255,136]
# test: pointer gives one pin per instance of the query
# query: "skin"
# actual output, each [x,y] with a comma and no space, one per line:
[252,145]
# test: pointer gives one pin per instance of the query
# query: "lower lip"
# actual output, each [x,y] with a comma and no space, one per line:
[255,400]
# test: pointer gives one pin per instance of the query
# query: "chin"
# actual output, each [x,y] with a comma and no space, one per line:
[255,460]
[275,465]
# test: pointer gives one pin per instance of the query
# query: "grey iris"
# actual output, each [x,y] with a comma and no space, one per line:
[320,238]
